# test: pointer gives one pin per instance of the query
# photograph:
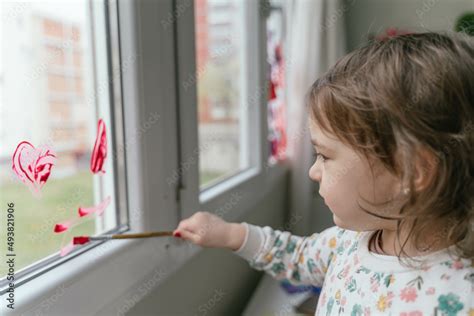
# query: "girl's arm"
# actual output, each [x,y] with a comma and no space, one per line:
[300,260]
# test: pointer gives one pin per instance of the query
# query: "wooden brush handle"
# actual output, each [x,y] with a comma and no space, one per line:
[143,235]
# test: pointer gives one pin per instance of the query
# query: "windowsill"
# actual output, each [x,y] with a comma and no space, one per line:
[227,185]
[65,288]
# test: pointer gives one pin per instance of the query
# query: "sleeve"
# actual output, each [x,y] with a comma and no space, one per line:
[300,260]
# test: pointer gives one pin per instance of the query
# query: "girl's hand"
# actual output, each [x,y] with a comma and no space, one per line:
[209,230]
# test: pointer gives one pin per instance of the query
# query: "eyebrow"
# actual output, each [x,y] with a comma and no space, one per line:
[315,143]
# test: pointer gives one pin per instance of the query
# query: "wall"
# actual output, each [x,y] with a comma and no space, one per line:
[215,281]
[375,16]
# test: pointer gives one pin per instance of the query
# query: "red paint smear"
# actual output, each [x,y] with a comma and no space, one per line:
[67,225]
[80,240]
[98,210]
[66,249]
[32,165]
[59,228]
[99,153]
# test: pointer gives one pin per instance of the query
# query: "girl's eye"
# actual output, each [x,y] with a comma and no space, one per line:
[318,155]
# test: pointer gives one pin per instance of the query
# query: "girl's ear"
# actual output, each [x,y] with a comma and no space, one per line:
[425,168]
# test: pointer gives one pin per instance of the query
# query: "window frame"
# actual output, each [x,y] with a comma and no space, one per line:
[247,182]
[118,270]
[145,90]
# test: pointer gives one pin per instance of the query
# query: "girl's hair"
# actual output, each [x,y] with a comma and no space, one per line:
[394,98]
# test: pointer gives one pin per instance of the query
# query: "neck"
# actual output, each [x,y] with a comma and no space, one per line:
[391,245]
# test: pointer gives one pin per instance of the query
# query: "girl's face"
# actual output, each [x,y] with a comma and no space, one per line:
[343,175]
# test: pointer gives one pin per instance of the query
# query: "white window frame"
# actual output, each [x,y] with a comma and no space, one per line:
[109,278]
[232,197]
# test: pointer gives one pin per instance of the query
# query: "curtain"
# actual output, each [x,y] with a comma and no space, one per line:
[316,38]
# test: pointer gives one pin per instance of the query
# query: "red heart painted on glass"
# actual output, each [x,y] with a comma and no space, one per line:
[33,165]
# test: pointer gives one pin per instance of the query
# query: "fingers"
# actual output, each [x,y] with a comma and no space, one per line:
[192,222]
[186,224]
[186,232]
[192,237]
[192,228]
[185,228]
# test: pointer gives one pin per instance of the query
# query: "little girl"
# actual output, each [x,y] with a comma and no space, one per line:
[392,123]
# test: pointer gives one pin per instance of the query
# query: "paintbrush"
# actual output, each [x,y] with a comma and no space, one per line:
[80,240]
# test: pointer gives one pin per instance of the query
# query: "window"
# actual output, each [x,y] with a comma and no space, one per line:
[151,67]
[222,75]
[57,80]
[221,55]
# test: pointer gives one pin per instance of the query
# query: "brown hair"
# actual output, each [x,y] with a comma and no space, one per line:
[393,97]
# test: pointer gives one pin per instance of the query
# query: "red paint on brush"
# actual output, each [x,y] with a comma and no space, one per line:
[33,165]
[99,153]
[80,240]
[59,228]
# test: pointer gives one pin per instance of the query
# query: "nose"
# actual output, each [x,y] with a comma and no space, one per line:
[315,172]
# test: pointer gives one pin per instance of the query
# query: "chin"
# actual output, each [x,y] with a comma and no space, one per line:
[338,222]
[341,224]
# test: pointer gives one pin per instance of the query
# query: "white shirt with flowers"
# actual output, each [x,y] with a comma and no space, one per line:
[355,281]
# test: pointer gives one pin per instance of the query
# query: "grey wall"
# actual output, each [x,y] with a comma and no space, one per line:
[375,16]
[216,282]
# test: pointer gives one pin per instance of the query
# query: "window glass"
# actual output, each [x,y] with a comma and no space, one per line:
[220,63]
[56,137]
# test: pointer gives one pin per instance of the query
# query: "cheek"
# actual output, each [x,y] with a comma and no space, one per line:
[340,190]
[338,186]
[345,210]
[340,199]
[343,187]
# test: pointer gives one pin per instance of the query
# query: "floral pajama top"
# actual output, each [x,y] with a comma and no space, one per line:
[355,281]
